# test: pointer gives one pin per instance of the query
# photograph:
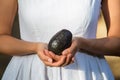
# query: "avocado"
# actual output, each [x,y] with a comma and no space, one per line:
[60,41]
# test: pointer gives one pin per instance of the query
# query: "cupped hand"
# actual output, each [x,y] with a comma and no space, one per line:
[70,52]
[53,60]
[49,58]
[67,56]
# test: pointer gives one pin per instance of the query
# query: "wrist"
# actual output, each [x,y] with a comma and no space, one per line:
[80,42]
[39,46]
[33,47]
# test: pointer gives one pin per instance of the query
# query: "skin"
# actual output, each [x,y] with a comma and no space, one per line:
[109,45]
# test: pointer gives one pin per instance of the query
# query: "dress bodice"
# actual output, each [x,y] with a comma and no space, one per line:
[41,19]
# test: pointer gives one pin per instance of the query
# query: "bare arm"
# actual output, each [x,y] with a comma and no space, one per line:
[103,46]
[8,44]
[109,45]
[13,46]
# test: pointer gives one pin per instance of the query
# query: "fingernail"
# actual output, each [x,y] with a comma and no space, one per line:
[50,52]
[64,53]
[50,60]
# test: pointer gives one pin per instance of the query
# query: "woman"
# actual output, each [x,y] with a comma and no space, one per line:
[40,20]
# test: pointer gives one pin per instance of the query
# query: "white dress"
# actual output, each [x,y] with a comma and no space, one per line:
[39,21]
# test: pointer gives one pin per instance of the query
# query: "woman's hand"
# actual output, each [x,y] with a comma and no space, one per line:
[67,56]
[70,52]
[49,58]
[53,60]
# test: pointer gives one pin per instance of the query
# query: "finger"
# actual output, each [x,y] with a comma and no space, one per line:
[47,57]
[60,62]
[71,62]
[73,59]
[68,60]
[54,56]
[66,52]
[47,53]
[43,57]
[74,47]
[71,50]
[56,64]
[50,60]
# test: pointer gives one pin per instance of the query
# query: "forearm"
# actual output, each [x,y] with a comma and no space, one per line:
[12,46]
[102,46]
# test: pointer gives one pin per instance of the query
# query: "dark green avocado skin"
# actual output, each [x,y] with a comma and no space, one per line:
[60,41]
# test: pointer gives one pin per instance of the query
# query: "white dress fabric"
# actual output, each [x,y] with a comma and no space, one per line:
[39,21]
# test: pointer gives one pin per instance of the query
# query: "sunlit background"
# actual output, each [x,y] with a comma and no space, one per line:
[113,61]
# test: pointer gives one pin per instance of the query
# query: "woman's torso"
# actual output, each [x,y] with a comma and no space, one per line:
[41,19]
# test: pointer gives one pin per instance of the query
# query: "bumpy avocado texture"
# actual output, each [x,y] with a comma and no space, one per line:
[60,41]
